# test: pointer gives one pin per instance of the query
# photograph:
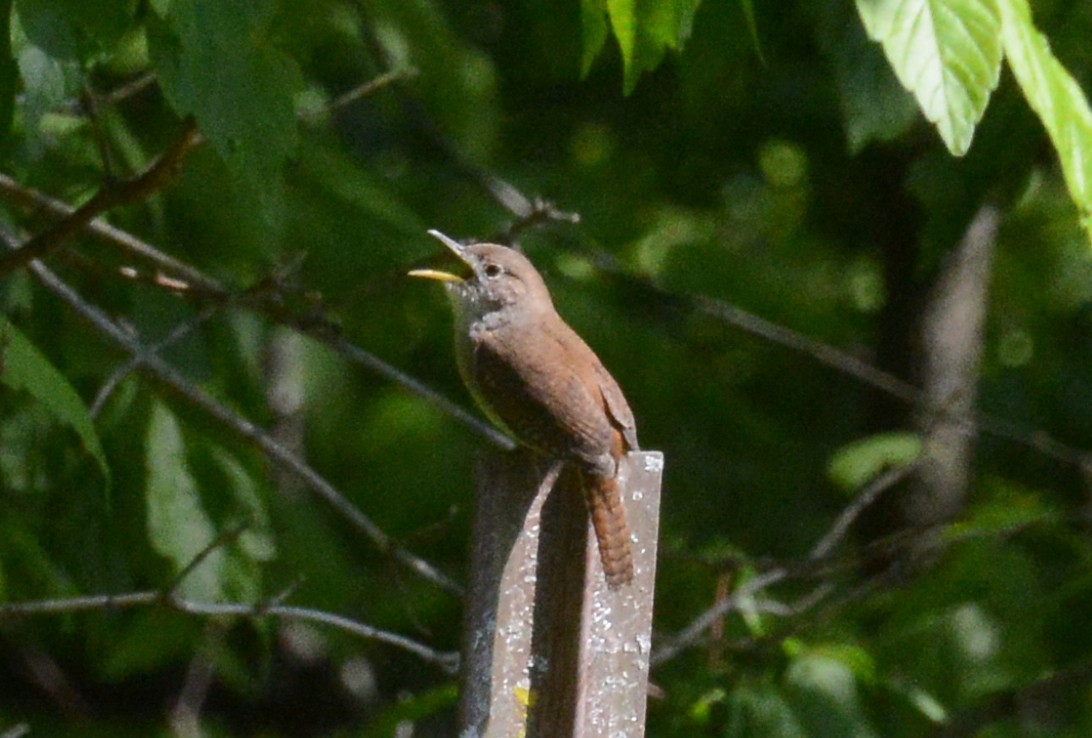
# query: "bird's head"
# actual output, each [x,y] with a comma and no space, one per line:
[496,281]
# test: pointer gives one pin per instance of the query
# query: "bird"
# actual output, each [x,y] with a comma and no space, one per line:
[538,381]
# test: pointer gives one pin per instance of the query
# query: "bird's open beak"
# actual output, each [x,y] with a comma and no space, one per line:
[440,276]
[436,274]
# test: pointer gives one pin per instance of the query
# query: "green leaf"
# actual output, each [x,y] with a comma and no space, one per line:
[23,367]
[178,527]
[215,60]
[856,464]
[148,641]
[8,72]
[645,30]
[748,8]
[48,81]
[947,52]
[414,709]
[760,710]
[824,697]
[1055,97]
[593,23]
[1009,509]
[256,541]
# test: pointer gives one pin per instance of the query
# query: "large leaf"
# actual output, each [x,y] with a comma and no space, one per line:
[947,52]
[23,367]
[1055,97]
[178,527]
[215,61]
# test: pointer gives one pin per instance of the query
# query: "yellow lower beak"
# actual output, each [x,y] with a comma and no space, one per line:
[435,274]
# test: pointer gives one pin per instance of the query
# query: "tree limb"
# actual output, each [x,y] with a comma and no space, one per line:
[110,195]
[447,661]
[162,372]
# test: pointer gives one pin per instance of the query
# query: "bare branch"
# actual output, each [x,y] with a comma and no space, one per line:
[524,208]
[134,362]
[359,92]
[109,196]
[863,500]
[185,716]
[162,372]
[447,661]
[205,287]
[695,631]
[32,199]
[221,540]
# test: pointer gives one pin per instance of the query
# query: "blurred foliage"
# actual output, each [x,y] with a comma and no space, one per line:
[761,154]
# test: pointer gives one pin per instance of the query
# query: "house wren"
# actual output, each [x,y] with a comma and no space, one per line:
[538,380]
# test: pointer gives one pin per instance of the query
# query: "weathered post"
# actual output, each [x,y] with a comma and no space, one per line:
[550,650]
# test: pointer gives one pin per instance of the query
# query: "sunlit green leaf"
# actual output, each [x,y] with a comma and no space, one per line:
[947,52]
[856,464]
[1055,97]
[256,539]
[178,526]
[825,698]
[645,30]
[23,367]
[593,24]
[1009,509]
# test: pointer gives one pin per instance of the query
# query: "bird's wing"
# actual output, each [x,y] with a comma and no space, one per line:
[617,406]
[543,397]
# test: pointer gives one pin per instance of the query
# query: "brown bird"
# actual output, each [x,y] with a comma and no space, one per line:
[538,380]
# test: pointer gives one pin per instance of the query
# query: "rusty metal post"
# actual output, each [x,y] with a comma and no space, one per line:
[549,650]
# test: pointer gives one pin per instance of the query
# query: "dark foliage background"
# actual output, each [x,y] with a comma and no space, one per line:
[766,163]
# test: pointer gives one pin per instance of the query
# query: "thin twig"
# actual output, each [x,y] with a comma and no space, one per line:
[694,632]
[185,716]
[128,600]
[861,501]
[218,542]
[847,364]
[164,373]
[180,331]
[110,195]
[262,302]
[509,197]
[32,199]
[359,92]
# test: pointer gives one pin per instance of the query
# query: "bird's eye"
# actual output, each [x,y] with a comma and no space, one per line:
[492,270]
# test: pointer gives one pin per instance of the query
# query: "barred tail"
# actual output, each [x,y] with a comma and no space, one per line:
[611,532]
